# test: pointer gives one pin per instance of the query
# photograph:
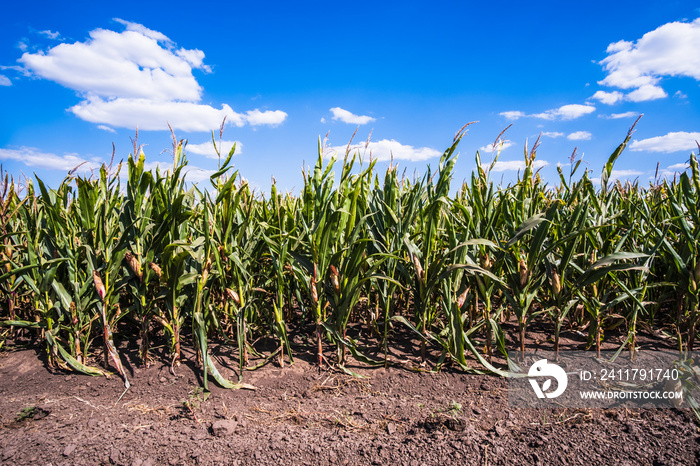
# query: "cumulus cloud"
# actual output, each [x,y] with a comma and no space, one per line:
[268,117]
[679,167]
[349,117]
[671,142]
[617,116]
[579,136]
[512,114]
[552,134]
[565,112]
[106,128]
[647,92]
[51,34]
[673,170]
[33,157]
[669,50]
[144,31]
[616,174]
[151,115]
[207,149]
[384,149]
[137,77]
[191,173]
[5,81]
[500,146]
[608,97]
[113,64]
[516,165]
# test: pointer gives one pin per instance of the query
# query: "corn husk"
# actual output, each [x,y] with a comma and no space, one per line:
[99,286]
[334,279]
[233,296]
[485,261]
[462,297]
[419,269]
[556,283]
[524,275]
[153,266]
[314,293]
[134,265]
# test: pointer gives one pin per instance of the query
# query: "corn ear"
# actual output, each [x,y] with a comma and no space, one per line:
[233,296]
[153,266]
[134,265]
[556,283]
[334,279]
[523,272]
[99,286]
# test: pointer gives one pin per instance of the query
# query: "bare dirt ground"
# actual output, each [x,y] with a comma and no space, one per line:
[302,415]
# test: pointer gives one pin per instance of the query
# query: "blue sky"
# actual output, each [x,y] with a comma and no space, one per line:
[75,78]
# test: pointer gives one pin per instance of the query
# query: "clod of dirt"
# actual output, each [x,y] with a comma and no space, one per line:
[224,428]
[69,449]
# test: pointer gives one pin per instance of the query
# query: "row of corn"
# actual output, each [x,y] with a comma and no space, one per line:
[351,255]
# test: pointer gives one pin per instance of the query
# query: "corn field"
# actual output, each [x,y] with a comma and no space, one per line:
[349,263]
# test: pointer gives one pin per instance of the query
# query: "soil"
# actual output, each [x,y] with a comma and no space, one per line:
[302,415]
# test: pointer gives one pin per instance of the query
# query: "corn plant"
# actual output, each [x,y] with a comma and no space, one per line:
[424,248]
[393,208]
[227,263]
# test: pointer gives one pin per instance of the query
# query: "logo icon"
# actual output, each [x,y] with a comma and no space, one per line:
[542,368]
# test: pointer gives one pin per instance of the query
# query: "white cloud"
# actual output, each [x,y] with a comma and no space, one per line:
[5,81]
[18,69]
[34,157]
[500,146]
[349,117]
[646,92]
[192,174]
[617,116]
[384,149]
[669,50]
[512,114]
[679,167]
[616,174]
[268,117]
[144,31]
[137,77]
[671,142]
[680,95]
[515,165]
[112,64]
[566,112]
[207,148]
[673,170]
[150,115]
[608,98]
[196,174]
[50,34]
[552,134]
[579,136]
[106,128]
